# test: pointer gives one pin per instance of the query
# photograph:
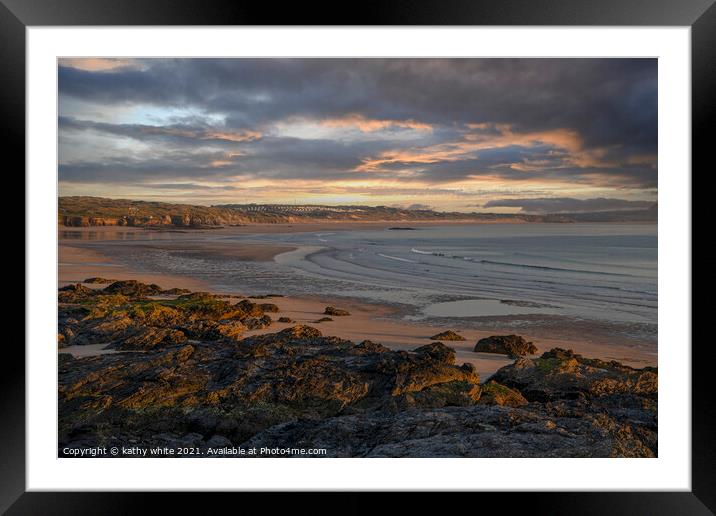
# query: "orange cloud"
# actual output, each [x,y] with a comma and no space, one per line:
[369,125]
[494,136]
[245,135]
[97,64]
[242,136]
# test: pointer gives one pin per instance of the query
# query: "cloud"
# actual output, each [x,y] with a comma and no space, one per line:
[99,64]
[568,205]
[176,131]
[605,100]
[405,123]
[189,186]
[371,125]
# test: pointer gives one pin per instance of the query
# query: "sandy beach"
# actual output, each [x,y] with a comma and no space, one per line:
[367,320]
[130,232]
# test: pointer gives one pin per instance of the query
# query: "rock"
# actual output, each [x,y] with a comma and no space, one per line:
[68,334]
[323,319]
[109,329]
[159,315]
[618,398]
[76,287]
[257,382]
[205,305]
[301,387]
[133,322]
[495,394]
[232,330]
[99,306]
[412,372]
[133,288]
[370,346]
[447,335]
[456,393]
[512,345]
[197,296]
[175,292]
[249,308]
[300,332]
[98,281]
[437,351]
[218,441]
[257,323]
[470,368]
[269,307]
[563,374]
[335,311]
[468,431]
[75,293]
[64,359]
[149,338]
[285,320]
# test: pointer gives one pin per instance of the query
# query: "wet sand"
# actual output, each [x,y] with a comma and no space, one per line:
[367,320]
[77,264]
[131,233]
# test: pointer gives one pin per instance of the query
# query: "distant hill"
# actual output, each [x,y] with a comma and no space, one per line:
[101,211]
[648,215]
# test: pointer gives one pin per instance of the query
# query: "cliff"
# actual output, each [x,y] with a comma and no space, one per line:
[100,211]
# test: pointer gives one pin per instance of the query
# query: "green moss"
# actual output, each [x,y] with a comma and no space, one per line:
[496,389]
[117,305]
[546,365]
[103,306]
[454,387]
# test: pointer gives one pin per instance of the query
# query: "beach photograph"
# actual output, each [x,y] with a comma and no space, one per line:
[357,257]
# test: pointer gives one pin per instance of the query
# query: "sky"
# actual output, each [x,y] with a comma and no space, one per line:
[496,135]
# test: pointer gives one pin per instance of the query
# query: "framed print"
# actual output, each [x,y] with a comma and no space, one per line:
[418,250]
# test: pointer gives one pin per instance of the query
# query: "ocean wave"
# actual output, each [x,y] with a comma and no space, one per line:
[631,290]
[546,268]
[640,267]
[396,258]
[442,255]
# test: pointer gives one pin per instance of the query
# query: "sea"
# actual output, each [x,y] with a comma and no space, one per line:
[594,272]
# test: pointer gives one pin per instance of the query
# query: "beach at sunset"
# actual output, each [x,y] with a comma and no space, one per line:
[358,257]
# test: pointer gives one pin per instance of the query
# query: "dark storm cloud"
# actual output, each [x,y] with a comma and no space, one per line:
[567,204]
[182,153]
[271,157]
[605,99]
[610,104]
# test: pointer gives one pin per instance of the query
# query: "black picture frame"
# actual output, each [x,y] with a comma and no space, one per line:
[700,15]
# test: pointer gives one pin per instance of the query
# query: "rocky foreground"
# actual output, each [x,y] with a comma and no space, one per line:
[185,376]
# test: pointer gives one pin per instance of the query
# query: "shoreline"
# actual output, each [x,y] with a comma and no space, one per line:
[312,226]
[371,321]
